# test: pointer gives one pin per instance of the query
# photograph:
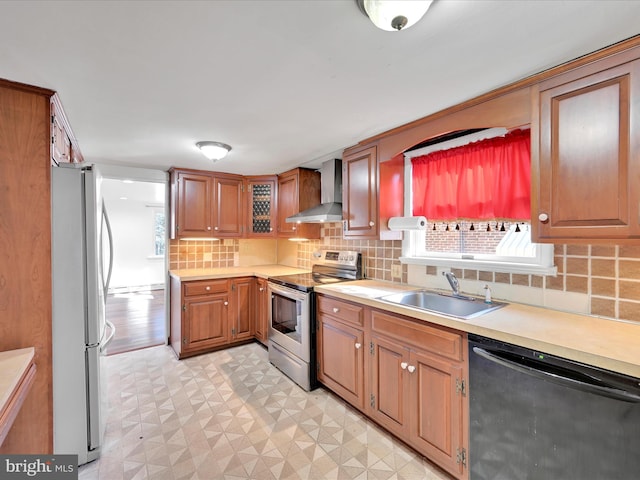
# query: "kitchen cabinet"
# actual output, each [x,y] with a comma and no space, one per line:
[418,387]
[587,126]
[298,190]
[341,349]
[205,204]
[64,149]
[210,314]
[261,206]
[242,295]
[262,311]
[360,193]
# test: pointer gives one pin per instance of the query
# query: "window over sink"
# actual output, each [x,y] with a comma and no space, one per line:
[474,220]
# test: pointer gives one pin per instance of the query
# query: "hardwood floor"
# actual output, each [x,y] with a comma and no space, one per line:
[139,318]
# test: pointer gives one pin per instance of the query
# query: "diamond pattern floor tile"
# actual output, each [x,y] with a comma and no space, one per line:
[231,415]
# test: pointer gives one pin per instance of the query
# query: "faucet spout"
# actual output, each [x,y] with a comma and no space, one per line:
[453,281]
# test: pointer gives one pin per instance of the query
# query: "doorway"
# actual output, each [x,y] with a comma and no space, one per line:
[136,301]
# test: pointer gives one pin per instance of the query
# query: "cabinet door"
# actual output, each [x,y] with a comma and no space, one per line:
[360,198]
[437,408]
[390,385]
[261,207]
[194,208]
[242,295]
[287,204]
[261,316]
[205,322]
[341,360]
[228,207]
[589,137]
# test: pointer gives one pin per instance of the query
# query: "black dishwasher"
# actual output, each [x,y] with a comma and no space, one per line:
[535,416]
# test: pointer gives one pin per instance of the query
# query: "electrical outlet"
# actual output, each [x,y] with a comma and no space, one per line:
[396,270]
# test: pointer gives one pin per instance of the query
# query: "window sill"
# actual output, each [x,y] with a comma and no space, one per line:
[484,265]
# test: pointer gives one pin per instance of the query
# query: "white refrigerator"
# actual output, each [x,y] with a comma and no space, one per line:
[81,267]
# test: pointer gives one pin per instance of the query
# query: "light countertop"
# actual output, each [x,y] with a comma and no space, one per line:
[609,344]
[262,271]
[13,364]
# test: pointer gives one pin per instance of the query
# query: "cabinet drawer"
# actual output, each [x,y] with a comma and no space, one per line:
[438,340]
[204,287]
[344,311]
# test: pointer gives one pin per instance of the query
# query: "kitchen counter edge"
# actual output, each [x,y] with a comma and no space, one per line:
[260,271]
[605,343]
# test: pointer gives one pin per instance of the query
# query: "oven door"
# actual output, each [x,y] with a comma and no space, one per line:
[289,320]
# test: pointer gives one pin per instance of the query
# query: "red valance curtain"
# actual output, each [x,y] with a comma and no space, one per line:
[484,180]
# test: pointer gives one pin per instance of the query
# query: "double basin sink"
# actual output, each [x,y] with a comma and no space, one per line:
[458,306]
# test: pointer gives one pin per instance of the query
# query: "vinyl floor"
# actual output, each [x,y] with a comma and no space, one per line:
[232,415]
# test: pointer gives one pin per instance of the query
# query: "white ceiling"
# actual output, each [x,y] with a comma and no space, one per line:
[285,82]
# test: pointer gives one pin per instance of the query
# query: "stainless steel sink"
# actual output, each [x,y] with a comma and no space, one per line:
[455,306]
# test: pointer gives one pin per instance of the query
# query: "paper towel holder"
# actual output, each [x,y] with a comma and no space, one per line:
[407,223]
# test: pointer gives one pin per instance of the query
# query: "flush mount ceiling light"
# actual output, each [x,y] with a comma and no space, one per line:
[214,150]
[392,15]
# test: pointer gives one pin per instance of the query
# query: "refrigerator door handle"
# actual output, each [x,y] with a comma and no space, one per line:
[105,284]
[103,345]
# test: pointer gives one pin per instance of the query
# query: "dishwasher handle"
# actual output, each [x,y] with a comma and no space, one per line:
[605,391]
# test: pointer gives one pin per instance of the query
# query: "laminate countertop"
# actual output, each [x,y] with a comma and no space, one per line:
[16,376]
[609,344]
[261,271]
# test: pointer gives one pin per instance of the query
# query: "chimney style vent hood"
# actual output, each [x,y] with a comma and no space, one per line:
[330,210]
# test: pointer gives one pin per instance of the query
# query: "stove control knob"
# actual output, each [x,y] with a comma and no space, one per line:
[351,258]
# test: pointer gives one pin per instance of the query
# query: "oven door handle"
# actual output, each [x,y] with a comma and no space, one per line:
[288,292]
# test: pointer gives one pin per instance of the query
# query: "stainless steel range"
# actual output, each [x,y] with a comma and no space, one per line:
[292,326]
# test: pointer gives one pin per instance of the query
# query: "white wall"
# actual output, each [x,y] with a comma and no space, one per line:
[132,226]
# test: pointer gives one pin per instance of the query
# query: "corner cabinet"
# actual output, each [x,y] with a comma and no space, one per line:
[205,204]
[210,314]
[586,147]
[298,190]
[261,206]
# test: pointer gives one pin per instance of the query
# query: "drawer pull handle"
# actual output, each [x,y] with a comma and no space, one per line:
[207,288]
[411,368]
[358,345]
[261,289]
[226,303]
[208,228]
[404,365]
[543,217]
[336,309]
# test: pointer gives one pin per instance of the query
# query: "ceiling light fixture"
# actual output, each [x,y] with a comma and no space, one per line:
[392,15]
[214,150]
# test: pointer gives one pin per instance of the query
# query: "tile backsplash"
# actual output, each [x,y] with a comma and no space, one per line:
[602,280]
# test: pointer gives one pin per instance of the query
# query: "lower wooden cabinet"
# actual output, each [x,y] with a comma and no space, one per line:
[211,314]
[408,376]
[261,316]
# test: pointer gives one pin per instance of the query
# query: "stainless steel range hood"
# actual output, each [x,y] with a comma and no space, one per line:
[330,210]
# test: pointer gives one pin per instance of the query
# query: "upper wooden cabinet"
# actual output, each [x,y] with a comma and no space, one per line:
[205,204]
[588,134]
[261,206]
[64,148]
[360,193]
[298,190]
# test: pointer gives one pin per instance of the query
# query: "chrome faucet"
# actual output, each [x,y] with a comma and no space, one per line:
[453,281]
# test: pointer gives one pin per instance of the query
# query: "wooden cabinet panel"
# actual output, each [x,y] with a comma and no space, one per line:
[360,193]
[194,205]
[261,316]
[242,295]
[228,206]
[298,190]
[390,388]
[341,360]
[437,410]
[261,206]
[205,204]
[347,312]
[205,320]
[589,141]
